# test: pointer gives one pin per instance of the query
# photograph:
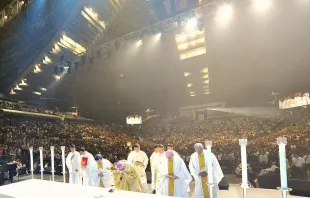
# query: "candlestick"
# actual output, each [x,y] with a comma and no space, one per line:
[52,162]
[208,144]
[282,141]
[63,162]
[31,160]
[244,164]
[41,161]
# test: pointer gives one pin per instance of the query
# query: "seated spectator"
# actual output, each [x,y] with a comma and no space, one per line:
[263,159]
[269,171]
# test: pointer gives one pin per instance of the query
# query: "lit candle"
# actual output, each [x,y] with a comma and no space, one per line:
[282,141]
[31,161]
[244,165]
[208,144]
[243,144]
[63,162]
[41,161]
[52,162]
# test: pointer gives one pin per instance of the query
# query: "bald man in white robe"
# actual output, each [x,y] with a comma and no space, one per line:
[174,176]
[199,170]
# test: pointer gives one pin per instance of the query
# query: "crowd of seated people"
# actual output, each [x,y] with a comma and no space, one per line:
[225,132]
[18,133]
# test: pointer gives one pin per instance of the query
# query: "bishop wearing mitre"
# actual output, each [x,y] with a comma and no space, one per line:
[102,174]
[175,177]
[140,160]
[74,166]
[126,177]
[198,168]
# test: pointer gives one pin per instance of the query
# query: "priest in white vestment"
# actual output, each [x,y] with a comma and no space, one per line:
[174,177]
[199,170]
[102,174]
[152,161]
[88,164]
[153,156]
[140,160]
[73,162]
[158,159]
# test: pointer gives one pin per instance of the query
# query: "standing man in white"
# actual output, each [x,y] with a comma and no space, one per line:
[140,160]
[102,175]
[159,159]
[199,170]
[88,163]
[152,161]
[73,163]
[174,176]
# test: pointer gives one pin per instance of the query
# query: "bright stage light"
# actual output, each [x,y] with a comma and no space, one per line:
[261,5]
[158,36]
[37,93]
[205,70]
[17,88]
[224,13]
[139,43]
[191,24]
[57,77]
[23,83]
[12,92]
[193,95]
[189,84]
[186,74]
[205,76]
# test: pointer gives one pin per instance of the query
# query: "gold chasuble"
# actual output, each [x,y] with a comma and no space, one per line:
[100,167]
[171,181]
[204,180]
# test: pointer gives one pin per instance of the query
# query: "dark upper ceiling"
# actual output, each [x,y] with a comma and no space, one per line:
[4,3]
[256,54]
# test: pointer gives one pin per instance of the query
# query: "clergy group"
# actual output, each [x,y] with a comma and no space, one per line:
[170,176]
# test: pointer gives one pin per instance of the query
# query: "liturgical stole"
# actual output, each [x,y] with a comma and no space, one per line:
[171,181]
[204,180]
[100,167]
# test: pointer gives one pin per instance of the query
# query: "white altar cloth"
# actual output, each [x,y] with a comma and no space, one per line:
[48,189]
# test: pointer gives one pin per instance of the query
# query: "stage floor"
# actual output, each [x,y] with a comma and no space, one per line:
[235,191]
[48,189]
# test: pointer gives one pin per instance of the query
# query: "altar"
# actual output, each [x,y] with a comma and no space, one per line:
[35,188]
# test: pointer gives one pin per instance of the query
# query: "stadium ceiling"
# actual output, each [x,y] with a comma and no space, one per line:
[87,24]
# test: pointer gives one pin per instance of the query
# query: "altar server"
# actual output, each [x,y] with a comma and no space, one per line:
[102,175]
[140,160]
[173,176]
[88,164]
[73,162]
[198,168]
[127,177]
